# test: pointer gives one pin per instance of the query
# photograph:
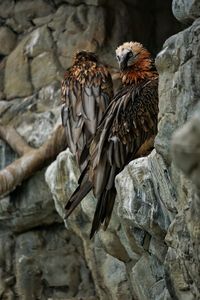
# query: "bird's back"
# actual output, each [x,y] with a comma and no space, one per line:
[86,93]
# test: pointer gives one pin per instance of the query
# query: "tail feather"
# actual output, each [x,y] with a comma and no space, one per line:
[103,211]
[81,191]
[109,208]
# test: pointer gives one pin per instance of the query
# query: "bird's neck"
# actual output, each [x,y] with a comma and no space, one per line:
[140,72]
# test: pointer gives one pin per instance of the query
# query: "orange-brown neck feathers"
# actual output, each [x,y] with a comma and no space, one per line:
[135,63]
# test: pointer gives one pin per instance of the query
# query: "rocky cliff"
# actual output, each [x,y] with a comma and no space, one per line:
[151,249]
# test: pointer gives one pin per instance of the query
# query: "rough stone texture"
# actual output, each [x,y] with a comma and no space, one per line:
[7,40]
[55,31]
[25,11]
[40,40]
[178,66]
[44,70]
[104,254]
[186,11]
[17,83]
[150,250]
[2,71]
[144,208]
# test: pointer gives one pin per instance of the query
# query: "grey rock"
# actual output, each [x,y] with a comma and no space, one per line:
[39,41]
[83,31]
[178,66]
[37,131]
[62,176]
[186,11]
[113,246]
[42,20]
[78,2]
[45,69]
[175,104]
[6,8]
[60,17]
[141,283]
[25,11]
[7,155]
[17,83]
[186,149]
[145,195]
[7,40]
[2,71]
[50,263]
[27,210]
[7,278]
[115,278]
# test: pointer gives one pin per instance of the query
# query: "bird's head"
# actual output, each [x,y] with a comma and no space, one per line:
[131,55]
[82,56]
[135,63]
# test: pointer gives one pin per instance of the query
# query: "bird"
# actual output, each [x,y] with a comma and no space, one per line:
[129,125]
[86,91]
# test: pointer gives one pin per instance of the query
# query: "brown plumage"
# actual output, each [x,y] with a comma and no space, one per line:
[128,125]
[85,92]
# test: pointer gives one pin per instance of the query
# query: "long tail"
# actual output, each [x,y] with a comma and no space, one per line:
[103,210]
[82,190]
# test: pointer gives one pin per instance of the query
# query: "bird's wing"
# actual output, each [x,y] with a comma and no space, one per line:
[130,120]
[85,100]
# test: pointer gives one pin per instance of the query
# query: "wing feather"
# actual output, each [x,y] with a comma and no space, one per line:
[127,124]
[86,92]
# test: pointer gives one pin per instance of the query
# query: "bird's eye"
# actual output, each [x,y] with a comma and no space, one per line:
[130,54]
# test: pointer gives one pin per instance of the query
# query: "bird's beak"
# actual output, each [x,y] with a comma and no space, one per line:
[122,65]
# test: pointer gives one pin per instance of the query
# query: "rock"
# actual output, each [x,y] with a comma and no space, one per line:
[141,283]
[59,18]
[39,41]
[186,149]
[25,11]
[2,71]
[78,2]
[40,209]
[17,83]
[44,70]
[115,278]
[7,40]
[62,176]
[42,20]
[143,198]
[174,111]
[178,67]
[113,246]
[51,262]
[37,131]
[62,182]
[7,155]
[186,11]
[83,31]
[6,8]
[7,277]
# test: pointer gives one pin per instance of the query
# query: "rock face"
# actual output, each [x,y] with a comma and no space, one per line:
[178,66]
[151,248]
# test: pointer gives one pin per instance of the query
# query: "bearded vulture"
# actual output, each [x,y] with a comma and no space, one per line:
[86,92]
